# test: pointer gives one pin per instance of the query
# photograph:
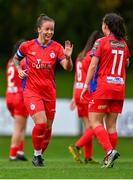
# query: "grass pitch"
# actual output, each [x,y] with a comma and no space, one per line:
[60,165]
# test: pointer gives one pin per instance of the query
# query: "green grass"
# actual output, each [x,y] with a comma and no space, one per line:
[60,165]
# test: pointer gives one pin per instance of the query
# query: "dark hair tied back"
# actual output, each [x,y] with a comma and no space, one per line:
[41,19]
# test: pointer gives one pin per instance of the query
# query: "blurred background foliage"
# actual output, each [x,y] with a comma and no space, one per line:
[75,20]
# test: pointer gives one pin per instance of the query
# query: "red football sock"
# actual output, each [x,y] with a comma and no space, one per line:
[85,138]
[103,138]
[113,137]
[46,139]
[38,133]
[88,149]
[21,146]
[13,151]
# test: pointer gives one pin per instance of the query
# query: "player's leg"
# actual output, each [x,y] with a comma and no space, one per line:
[20,119]
[38,134]
[111,119]
[19,124]
[47,136]
[102,136]
[88,148]
[97,112]
[75,151]
[21,147]
[36,109]
[50,113]
[111,128]
[86,139]
[115,108]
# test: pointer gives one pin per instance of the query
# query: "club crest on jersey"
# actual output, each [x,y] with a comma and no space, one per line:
[52,55]
[32,106]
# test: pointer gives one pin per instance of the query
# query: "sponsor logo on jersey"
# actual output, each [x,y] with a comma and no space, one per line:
[102,106]
[40,65]
[117,44]
[32,107]
[115,80]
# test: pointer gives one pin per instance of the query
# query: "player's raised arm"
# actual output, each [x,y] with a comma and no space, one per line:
[67,62]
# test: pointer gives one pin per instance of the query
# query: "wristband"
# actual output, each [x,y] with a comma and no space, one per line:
[85,86]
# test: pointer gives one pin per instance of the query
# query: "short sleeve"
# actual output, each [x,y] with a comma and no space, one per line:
[60,55]
[22,51]
[96,50]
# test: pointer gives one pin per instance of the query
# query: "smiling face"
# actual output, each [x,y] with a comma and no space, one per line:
[46,31]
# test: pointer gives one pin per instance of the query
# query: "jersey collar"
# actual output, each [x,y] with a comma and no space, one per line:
[43,46]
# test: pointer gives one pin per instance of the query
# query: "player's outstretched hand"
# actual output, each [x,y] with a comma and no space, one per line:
[68,49]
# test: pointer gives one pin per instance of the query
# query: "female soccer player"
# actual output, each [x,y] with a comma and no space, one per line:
[82,64]
[40,91]
[15,105]
[106,76]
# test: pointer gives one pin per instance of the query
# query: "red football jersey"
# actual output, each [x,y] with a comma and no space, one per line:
[41,61]
[109,79]
[80,77]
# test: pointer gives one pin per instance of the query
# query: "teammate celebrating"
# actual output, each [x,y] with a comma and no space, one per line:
[106,76]
[40,91]
[82,64]
[15,105]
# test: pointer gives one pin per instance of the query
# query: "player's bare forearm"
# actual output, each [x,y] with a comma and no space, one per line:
[69,64]
[91,70]
[90,74]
